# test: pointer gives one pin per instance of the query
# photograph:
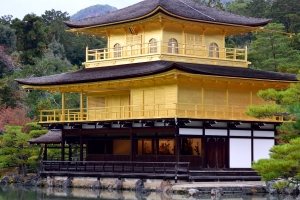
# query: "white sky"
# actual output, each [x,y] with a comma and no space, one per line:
[19,8]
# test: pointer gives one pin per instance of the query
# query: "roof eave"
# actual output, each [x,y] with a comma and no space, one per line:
[162,10]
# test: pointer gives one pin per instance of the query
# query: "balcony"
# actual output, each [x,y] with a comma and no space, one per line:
[133,112]
[190,53]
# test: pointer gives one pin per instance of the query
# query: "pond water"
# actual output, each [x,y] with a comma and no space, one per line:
[31,193]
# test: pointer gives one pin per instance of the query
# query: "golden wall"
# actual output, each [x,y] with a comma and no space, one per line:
[183,97]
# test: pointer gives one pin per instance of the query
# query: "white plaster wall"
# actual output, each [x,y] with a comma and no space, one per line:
[261,148]
[190,131]
[240,153]
[215,132]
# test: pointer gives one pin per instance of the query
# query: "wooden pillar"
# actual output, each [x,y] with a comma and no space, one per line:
[81,148]
[70,152]
[62,148]
[131,145]
[63,106]
[177,150]
[252,143]
[81,105]
[177,144]
[45,152]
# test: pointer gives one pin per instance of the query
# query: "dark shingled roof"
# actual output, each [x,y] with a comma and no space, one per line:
[182,8]
[149,68]
[52,137]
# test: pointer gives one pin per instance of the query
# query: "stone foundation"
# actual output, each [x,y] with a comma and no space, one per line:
[108,183]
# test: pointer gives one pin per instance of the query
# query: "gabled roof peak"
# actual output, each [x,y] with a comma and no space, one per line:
[185,9]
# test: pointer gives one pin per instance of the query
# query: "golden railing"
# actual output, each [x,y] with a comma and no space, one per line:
[192,111]
[193,50]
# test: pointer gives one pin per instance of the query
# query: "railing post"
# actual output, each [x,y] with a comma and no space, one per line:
[41,118]
[63,105]
[234,54]
[246,53]
[86,53]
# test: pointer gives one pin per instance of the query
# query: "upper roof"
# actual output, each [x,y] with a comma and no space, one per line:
[52,137]
[184,9]
[150,68]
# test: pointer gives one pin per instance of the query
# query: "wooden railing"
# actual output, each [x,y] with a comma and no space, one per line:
[121,168]
[193,111]
[194,50]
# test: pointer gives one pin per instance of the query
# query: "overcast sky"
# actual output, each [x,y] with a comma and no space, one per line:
[19,8]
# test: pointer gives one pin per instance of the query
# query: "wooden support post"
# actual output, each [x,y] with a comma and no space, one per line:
[246,53]
[62,148]
[131,145]
[81,105]
[177,148]
[177,152]
[63,106]
[70,152]
[81,148]
[86,54]
[45,153]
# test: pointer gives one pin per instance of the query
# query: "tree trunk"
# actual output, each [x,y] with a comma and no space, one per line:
[40,153]
[22,169]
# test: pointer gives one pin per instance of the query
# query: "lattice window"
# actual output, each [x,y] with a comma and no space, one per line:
[214,50]
[193,44]
[173,46]
[132,40]
[133,44]
[193,39]
[117,50]
[153,46]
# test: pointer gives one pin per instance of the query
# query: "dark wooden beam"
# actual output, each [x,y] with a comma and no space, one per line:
[62,148]
[81,148]
[117,130]
[70,152]
[45,152]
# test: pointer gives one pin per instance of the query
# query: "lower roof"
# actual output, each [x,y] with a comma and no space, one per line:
[52,137]
[151,68]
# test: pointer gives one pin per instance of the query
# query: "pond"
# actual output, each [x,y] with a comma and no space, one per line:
[15,192]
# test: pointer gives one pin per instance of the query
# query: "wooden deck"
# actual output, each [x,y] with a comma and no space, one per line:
[163,170]
[143,170]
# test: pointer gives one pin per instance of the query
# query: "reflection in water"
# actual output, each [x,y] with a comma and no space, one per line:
[19,192]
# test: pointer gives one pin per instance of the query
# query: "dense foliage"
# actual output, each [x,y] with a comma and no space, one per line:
[15,150]
[283,165]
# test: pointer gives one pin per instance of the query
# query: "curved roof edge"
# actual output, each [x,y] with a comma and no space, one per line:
[185,9]
[51,137]
[151,68]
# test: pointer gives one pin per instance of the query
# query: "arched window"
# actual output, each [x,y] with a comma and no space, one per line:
[213,50]
[153,46]
[173,46]
[117,50]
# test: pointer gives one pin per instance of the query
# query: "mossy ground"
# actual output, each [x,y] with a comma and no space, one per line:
[7,171]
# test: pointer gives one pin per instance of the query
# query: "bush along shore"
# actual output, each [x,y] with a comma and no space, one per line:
[145,185]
